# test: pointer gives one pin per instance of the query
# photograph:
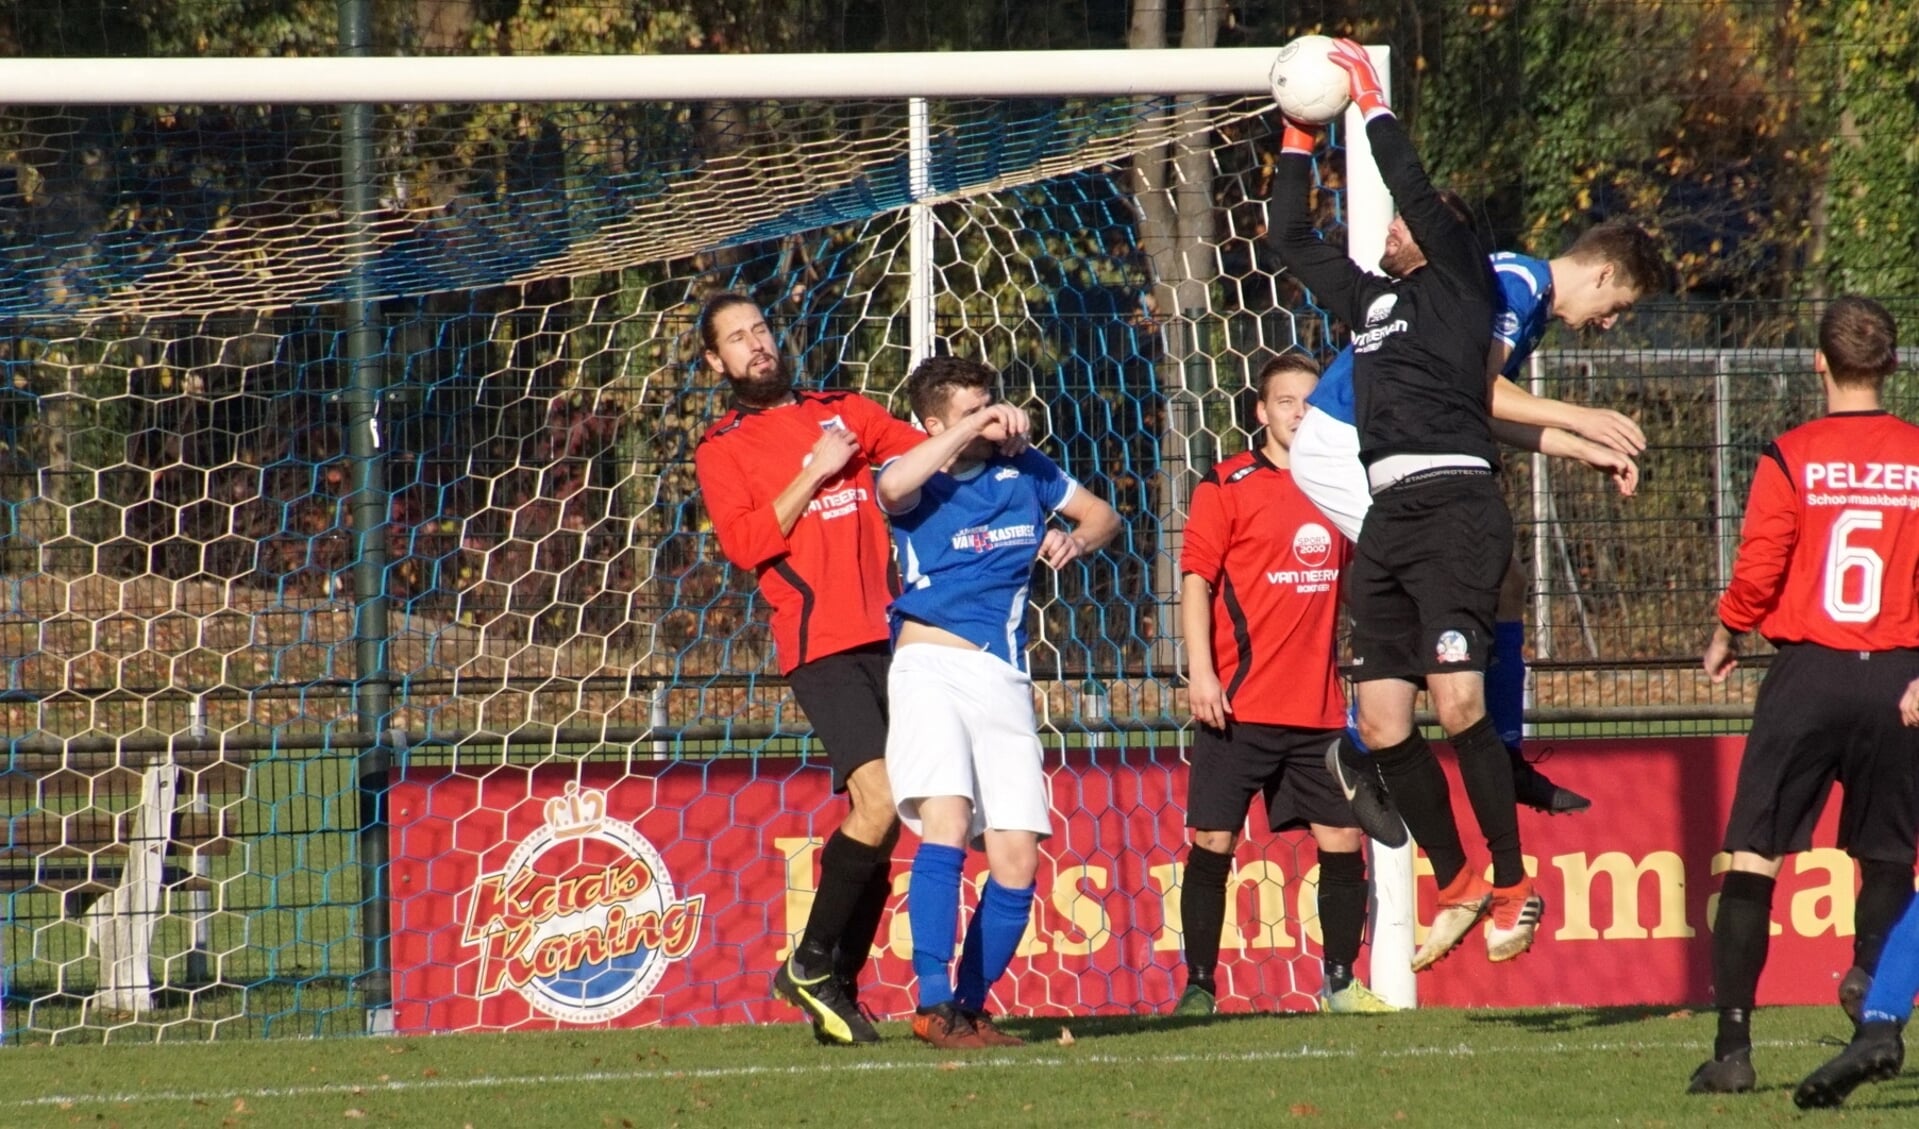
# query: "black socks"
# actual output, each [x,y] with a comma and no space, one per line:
[1741,935]
[1425,802]
[849,871]
[1202,912]
[1487,770]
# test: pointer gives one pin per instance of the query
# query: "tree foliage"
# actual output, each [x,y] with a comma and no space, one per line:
[1771,143]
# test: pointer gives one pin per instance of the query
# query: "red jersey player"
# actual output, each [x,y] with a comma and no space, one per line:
[1826,572]
[1259,604]
[787,478]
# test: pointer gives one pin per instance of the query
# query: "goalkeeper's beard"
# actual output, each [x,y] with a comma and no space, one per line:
[765,388]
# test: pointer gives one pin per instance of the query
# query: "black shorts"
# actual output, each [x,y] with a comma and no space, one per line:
[1288,765]
[1824,715]
[844,697]
[1424,584]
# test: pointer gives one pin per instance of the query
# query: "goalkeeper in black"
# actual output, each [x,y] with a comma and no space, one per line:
[1425,577]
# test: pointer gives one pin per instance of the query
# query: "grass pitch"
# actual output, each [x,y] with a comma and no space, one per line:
[1434,1068]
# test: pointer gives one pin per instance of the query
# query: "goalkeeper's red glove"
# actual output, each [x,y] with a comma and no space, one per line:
[1368,94]
[1296,138]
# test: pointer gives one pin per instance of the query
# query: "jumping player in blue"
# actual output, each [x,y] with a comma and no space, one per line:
[963,753]
[1597,280]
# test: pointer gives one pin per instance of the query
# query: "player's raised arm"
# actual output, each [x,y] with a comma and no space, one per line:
[1557,443]
[1335,282]
[1449,244]
[900,480]
[1514,404]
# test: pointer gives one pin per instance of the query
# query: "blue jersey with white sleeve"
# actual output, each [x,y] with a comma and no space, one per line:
[1525,308]
[966,550]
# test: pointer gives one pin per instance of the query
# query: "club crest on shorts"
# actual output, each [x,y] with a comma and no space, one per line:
[583,918]
[1452,648]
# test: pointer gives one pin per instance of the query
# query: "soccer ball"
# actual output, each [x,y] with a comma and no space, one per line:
[1307,84]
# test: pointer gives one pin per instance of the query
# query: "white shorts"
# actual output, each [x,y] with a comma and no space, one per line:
[1325,458]
[962,725]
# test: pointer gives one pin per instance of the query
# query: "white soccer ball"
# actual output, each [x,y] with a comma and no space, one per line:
[1307,84]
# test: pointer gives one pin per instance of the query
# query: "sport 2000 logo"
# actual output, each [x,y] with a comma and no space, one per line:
[583,919]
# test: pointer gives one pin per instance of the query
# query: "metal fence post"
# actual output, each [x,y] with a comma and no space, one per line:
[1093,710]
[1542,548]
[373,703]
[1723,501]
[200,901]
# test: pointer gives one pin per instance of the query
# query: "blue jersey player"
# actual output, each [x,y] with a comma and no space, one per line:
[963,755]
[1598,279]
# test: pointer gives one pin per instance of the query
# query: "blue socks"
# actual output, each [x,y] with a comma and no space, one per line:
[991,940]
[932,902]
[1897,978]
[1506,683]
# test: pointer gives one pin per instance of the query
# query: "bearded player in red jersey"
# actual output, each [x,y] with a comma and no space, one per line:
[1826,573]
[787,478]
[1259,604]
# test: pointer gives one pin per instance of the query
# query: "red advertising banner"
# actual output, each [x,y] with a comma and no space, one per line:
[607,894]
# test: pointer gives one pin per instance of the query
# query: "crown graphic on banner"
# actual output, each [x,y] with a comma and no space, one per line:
[577,813]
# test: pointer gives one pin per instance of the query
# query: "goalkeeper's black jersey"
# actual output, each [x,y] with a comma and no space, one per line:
[1419,343]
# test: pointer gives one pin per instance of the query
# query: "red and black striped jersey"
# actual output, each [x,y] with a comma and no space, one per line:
[1830,545]
[1274,568]
[830,579]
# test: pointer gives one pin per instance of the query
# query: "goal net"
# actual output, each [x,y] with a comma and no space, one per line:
[365,643]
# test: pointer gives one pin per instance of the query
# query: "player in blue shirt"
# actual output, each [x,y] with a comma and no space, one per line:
[963,752]
[1598,279]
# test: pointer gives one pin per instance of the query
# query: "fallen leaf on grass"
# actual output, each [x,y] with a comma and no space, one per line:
[355,1114]
[1065,1037]
[239,1105]
[1682,1013]
[1305,1109]
[429,1072]
[949,1066]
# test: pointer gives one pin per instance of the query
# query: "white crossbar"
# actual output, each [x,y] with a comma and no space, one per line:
[620,78]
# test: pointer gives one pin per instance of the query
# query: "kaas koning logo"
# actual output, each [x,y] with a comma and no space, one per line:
[583,918]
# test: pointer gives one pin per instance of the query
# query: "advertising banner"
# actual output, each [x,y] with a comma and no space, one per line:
[668,892]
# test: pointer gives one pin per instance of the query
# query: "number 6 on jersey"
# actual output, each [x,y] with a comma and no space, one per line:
[1843,557]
